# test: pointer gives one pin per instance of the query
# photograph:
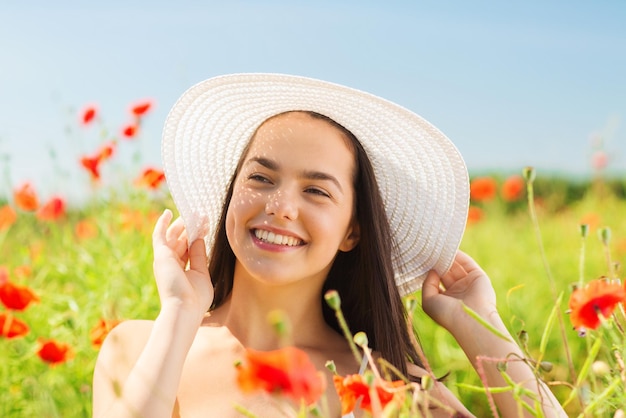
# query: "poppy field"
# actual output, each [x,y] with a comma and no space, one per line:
[554,249]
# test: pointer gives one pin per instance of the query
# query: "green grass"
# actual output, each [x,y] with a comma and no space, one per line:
[110,276]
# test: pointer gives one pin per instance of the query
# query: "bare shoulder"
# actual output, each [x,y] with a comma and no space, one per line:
[118,354]
[441,396]
[125,341]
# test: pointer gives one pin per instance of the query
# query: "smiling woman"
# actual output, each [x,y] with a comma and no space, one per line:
[294,187]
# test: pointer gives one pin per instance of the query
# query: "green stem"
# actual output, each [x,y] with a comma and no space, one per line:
[535,222]
[346,332]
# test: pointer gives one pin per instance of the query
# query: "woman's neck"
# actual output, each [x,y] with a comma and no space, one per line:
[247,310]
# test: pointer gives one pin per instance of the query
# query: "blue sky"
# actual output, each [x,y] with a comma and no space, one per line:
[511,83]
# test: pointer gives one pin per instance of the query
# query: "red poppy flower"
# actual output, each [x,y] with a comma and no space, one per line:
[88,114]
[597,297]
[151,178]
[287,371]
[141,108]
[54,352]
[513,188]
[8,216]
[474,215]
[353,387]
[92,164]
[14,296]
[11,327]
[52,210]
[106,151]
[25,197]
[98,333]
[130,131]
[86,229]
[599,160]
[483,189]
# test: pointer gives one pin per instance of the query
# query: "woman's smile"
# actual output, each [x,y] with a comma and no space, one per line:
[276,239]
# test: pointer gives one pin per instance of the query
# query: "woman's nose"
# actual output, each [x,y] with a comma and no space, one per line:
[282,205]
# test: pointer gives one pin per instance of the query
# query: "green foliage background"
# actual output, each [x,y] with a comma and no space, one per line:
[109,276]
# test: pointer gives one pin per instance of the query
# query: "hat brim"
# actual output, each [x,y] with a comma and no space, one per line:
[421,175]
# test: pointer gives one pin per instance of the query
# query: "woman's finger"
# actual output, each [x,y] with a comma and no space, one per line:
[431,284]
[160,228]
[174,231]
[197,257]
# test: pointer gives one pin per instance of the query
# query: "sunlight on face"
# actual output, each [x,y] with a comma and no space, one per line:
[293,200]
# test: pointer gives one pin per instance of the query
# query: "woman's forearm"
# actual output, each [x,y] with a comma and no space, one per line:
[485,349]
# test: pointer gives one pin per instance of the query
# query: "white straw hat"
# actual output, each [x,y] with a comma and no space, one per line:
[421,175]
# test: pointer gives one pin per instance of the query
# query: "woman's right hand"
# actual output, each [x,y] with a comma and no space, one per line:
[180,286]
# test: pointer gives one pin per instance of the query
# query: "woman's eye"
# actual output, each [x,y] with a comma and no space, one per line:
[258,177]
[319,192]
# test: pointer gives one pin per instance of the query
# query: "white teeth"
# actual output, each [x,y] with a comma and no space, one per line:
[273,238]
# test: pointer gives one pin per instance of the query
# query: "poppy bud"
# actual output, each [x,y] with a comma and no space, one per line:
[333,299]
[605,235]
[330,365]
[360,339]
[529,174]
[584,230]
[427,382]
[600,368]
[546,366]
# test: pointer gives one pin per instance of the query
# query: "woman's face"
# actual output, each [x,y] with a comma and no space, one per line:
[293,201]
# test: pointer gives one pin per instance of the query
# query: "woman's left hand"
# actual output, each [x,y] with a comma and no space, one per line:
[465,283]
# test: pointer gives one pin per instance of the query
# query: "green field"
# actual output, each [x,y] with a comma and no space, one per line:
[80,280]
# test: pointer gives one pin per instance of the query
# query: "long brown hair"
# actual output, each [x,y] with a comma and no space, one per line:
[363,277]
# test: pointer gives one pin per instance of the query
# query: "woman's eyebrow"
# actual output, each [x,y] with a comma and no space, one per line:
[307,174]
[320,175]
[265,162]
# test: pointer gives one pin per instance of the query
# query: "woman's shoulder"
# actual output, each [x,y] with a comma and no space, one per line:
[124,344]
[129,333]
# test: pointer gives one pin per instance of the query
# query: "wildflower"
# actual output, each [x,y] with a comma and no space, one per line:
[591,219]
[53,210]
[88,114]
[352,387]
[598,297]
[106,151]
[11,327]
[474,215]
[287,371]
[14,296]
[513,188]
[92,164]
[599,160]
[54,352]
[130,131]
[483,189]
[151,178]
[85,229]
[141,108]
[22,271]
[8,216]
[99,332]
[25,197]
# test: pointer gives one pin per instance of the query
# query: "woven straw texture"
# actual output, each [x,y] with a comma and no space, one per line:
[421,175]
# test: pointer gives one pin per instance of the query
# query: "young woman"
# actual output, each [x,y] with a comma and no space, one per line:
[296,186]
